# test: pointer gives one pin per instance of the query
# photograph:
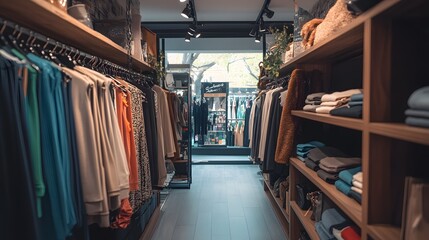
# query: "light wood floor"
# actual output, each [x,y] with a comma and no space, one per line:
[224,202]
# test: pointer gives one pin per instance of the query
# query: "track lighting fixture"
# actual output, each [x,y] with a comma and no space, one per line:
[253,31]
[187,12]
[188,37]
[258,38]
[197,34]
[262,28]
[269,13]
[182,0]
[193,27]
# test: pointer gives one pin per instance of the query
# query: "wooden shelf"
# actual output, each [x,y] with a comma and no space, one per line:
[346,42]
[401,131]
[380,232]
[305,220]
[346,204]
[351,123]
[56,24]
[277,200]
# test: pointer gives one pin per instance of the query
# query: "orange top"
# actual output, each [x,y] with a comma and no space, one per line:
[123,106]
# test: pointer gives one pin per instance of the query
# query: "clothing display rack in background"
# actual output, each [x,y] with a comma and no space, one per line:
[32,64]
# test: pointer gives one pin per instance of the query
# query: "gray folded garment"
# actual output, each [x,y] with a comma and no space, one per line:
[419,100]
[312,165]
[352,104]
[317,154]
[314,102]
[356,97]
[328,177]
[418,122]
[311,108]
[417,113]
[337,164]
[315,96]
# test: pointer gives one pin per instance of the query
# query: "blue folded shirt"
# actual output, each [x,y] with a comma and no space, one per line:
[347,175]
[343,187]
[322,232]
[356,97]
[331,218]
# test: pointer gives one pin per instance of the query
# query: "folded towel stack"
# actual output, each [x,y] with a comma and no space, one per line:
[345,183]
[313,101]
[353,109]
[303,149]
[336,100]
[418,114]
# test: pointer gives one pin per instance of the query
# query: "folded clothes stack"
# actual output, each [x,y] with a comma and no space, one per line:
[331,166]
[331,219]
[316,154]
[353,108]
[303,149]
[313,101]
[418,113]
[347,233]
[346,182]
[336,100]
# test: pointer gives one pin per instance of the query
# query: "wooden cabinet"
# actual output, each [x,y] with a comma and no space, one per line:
[383,51]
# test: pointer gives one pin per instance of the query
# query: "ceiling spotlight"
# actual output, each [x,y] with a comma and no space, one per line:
[188,38]
[193,27]
[197,34]
[258,38]
[269,13]
[253,31]
[187,12]
[182,0]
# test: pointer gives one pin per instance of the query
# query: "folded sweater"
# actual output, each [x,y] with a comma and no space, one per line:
[338,95]
[417,113]
[358,177]
[337,234]
[347,175]
[311,108]
[414,121]
[419,99]
[331,219]
[315,96]
[337,103]
[308,146]
[314,102]
[312,165]
[357,184]
[348,111]
[358,190]
[322,232]
[356,196]
[356,97]
[324,109]
[328,177]
[337,164]
[352,104]
[350,233]
[318,154]
[343,187]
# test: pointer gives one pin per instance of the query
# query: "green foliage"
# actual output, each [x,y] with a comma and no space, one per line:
[274,57]
[159,67]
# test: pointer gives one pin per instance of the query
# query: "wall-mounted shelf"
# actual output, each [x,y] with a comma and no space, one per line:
[351,123]
[58,25]
[401,131]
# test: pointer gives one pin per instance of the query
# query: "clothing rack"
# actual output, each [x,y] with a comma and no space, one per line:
[33,39]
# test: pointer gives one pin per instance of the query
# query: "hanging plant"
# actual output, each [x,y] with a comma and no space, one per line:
[158,66]
[274,57]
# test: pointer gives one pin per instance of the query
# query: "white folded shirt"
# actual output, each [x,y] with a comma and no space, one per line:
[324,109]
[338,95]
[358,190]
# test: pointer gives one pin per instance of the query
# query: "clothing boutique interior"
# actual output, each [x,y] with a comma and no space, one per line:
[214,120]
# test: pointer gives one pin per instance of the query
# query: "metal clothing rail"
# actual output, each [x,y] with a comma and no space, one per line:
[32,38]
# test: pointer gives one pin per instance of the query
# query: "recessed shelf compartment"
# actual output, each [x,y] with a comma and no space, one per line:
[305,220]
[346,204]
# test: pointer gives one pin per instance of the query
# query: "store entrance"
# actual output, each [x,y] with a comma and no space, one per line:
[223,88]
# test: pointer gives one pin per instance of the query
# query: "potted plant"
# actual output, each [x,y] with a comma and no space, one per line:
[275,55]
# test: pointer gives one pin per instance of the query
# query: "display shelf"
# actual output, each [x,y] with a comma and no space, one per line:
[305,220]
[346,204]
[276,200]
[379,232]
[351,123]
[401,131]
[57,24]
[345,42]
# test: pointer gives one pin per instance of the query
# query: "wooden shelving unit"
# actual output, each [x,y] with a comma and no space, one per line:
[346,204]
[42,17]
[281,213]
[305,220]
[385,232]
[351,123]
[390,150]
[401,131]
